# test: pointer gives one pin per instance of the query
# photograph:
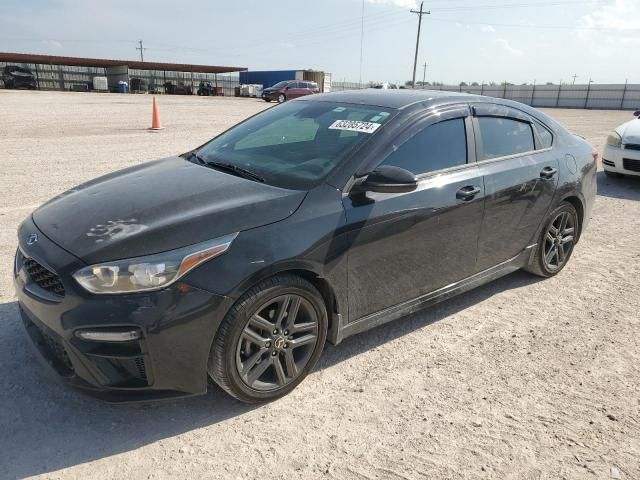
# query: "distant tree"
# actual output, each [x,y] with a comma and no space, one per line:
[550,83]
[463,84]
[408,83]
[475,84]
[492,84]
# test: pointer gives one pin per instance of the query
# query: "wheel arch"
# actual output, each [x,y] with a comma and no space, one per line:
[313,275]
[575,200]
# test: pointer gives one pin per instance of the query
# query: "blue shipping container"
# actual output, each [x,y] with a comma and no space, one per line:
[267,78]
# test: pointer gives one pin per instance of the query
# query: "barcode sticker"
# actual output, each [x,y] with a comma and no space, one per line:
[355,126]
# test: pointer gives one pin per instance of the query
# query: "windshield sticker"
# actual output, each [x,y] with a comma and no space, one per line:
[355,126]
[339,109]
[375,119]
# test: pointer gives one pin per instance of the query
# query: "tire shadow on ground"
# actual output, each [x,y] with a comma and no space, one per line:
[626,188]
[47,426]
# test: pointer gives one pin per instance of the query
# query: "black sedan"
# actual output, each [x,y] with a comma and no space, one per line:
[309,222]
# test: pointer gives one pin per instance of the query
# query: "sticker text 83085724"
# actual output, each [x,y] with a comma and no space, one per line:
[355,126]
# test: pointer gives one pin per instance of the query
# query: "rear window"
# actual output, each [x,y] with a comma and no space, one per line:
[501,137]
[545,137]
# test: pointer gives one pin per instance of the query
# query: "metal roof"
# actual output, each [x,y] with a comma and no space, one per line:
[103,62]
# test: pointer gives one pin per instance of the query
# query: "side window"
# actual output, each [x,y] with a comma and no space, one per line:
[545,137]
[438,146]
[504,136]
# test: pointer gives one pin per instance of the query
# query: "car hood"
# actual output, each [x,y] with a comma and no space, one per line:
[158,206]
[630,131]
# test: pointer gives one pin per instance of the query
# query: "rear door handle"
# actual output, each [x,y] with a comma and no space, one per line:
[548,173]
[467,193]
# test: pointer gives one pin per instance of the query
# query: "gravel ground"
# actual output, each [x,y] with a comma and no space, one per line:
[520,379]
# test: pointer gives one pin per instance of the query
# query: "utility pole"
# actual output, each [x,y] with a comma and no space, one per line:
[142,49]
[424,74]
[574,79]
[361,42]
[420,13]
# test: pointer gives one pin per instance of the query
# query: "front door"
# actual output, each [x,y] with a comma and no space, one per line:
[409,244]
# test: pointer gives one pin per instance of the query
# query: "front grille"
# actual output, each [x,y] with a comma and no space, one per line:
[632,146]
[43,277]
[50,346]
[142,370]
[57,350]
[630,164]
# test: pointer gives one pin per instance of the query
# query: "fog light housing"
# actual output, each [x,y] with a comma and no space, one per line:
[121,335]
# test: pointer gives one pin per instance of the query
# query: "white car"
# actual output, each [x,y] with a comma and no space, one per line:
[622,152]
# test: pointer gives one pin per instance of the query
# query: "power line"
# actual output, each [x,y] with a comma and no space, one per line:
[521,25]
[420,13]
[361,42]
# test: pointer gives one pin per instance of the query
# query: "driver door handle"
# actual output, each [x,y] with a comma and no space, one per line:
[467,193]
[548,173]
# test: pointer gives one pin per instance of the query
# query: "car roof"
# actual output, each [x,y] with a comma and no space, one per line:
[398,99]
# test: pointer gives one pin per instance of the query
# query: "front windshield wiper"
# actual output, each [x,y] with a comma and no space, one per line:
[239,171]
[230,168]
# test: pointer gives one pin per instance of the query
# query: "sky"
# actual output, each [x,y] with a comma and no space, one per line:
[519,41]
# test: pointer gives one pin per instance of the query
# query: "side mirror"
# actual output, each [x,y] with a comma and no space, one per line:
[389,179]
[636,113]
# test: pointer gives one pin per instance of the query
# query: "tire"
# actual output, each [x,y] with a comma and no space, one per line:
[282,98]
[545,263]
[236,358]
[613,174]
[267,100]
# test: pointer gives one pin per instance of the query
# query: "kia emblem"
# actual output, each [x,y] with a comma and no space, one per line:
[31,239]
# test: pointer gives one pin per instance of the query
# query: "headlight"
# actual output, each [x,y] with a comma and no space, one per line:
[151,272]
[614,139]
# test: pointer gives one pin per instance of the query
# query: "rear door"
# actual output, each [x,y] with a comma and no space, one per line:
[404,245]
[296,89]
[520,170]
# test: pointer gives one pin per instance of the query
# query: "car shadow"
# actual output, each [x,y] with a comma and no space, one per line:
[627,188]
[47,426]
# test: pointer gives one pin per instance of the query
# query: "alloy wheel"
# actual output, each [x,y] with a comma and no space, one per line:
[559,241]
[277,342]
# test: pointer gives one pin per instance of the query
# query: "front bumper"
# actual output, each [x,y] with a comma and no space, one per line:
[177,327]
[621,160]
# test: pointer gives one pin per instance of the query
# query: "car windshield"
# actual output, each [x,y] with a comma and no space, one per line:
[281,84]
[297,144]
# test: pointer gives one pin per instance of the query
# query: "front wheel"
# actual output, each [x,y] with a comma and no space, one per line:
[556,242]
[281,98]
[270,339]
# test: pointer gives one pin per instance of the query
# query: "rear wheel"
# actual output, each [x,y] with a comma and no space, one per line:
[270,340]
[281,98]
[556,242]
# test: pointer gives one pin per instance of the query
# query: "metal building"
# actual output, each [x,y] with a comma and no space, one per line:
[268,78]
[77,73]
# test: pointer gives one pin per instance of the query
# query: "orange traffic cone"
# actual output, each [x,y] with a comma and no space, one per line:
[155,119]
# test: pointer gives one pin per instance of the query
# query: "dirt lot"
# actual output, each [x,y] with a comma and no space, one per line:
[519,379]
